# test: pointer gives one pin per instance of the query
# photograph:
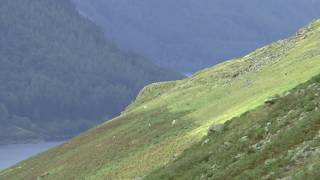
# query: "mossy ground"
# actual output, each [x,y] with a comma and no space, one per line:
[144,138]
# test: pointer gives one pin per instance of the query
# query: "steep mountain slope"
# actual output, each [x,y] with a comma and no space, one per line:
[188,35]
[58,75]
[168,118]
[278,140]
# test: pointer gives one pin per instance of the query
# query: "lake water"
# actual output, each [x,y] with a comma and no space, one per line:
[12,154]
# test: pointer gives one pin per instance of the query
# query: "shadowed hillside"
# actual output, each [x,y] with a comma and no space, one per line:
[58,74]
[188,35]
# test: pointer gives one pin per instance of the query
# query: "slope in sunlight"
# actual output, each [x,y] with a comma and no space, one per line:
[168,118]
[280,140]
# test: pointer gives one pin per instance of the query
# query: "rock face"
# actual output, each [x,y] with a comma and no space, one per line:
[216,129]
[270,101]
[205,142]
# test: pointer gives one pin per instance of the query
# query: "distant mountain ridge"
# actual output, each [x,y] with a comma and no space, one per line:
[189,35]
[59,75]
[169,118]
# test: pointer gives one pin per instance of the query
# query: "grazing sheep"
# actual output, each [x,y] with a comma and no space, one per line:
[174,122]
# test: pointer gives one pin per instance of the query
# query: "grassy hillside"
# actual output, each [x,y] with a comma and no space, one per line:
[168,118]
[278,140]
[59,75]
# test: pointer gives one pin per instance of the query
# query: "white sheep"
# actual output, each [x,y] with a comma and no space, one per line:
[174,122]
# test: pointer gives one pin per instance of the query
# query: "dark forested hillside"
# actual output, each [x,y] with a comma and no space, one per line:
[188,35]
[58,74]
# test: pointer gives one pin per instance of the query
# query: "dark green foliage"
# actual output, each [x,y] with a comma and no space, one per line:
[280,140]
[58,74]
